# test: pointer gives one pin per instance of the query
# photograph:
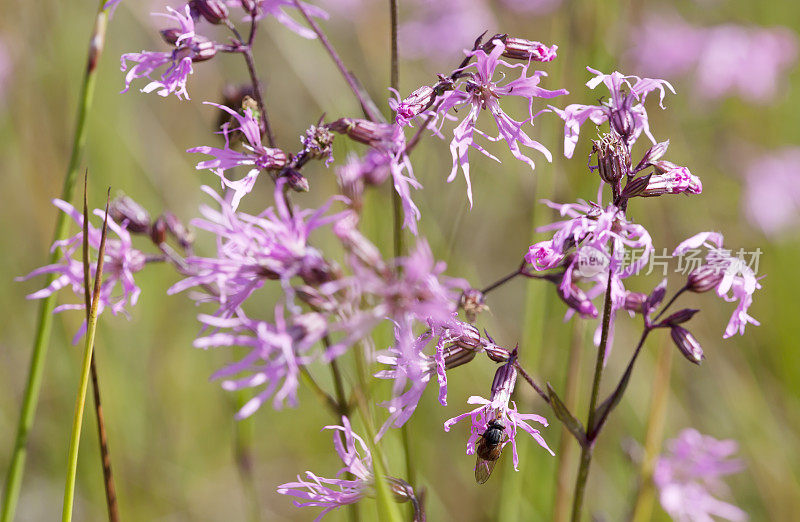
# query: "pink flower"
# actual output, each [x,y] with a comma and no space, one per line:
[688,478]
[480,92]
[772,191]
[277,10]
[736,280]
[261,157]
[278,352]
[318,491]
[624,111]
[121,262]
[727,60]
[501,409]
[189,47]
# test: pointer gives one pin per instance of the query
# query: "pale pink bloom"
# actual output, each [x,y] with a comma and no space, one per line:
[771,197]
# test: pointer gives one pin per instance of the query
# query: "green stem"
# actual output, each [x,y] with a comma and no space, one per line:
[586,450]
[45,318]
[566,448]
[77,421]
[643,506]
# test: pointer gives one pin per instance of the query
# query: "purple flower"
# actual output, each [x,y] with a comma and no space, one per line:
[772,192]
[624,110]
[689,475]
[412,369]
[263,158]
[538,7]
[727,60]
[189,47]
[480,92]
[254,249]
[328,493]
[121,262]
[278,351]
[497,409]
[734,279]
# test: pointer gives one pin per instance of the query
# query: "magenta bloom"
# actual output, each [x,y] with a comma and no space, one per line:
[121,262]
[735,280]
[624,110]
[500,408]
[772,191]
[688,478]
[333,493]
[254,249]
[257,155]
[480,92]
[278,351]
[726,60]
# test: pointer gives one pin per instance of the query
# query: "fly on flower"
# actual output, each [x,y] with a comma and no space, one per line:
[488,451]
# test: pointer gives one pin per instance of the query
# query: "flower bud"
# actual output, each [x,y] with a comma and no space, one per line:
[656,296]
[613,158]
[496,353]
[527,50]
[124,209]
[455,356]
[171,35]
[577,300]
[473,303]
[250,6]
[358,245]
[214,11]
[364,131]
[653,153]
[687,344]
[401,490]
[673,181]
[704,278]
[294,179]
[466,336]
[505,378]
[203,48]
[679,317]
[415,103]
[634,302]
[314,299]
[182,235]
[158,231]
[621,118]
[636,186]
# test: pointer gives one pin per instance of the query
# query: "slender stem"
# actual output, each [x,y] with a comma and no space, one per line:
[533,384]
[45,318]
[338,385]
[77,421]
[586,450]
[643,506]
[247,51]
[367,105]
[669,303]
[243,455]
[566,452]
[326,399]
[503,280]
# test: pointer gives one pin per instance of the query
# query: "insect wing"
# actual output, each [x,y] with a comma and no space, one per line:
[483,468]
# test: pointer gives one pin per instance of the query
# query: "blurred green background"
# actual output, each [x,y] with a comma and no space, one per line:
[171,431]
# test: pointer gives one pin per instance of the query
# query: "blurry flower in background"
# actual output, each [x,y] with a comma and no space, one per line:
[538,7]
[318,491]
[727,60]
[6,66]
[772,191]
[121,262]
[440,29]
[275,8]
[688,477]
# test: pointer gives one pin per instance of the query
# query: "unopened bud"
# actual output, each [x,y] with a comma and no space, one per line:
[204,49]
[656,296]
[295,180]
[158,231]
[621,118]
[527,50]
[171,35]
[249,6]
[182,235]
[473,303]
[634,302]
[364,131]
[214,11]
[415,103]
[466,336]
[124,209]
[704,278]
[455,356]
[654,153]
[679,317]
[577,300]
[613,158]
[676,180]
[496,353]
[401,490]
[687,344]
[636,186]
[505,378]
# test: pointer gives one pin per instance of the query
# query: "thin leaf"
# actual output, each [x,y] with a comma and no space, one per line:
[566,417]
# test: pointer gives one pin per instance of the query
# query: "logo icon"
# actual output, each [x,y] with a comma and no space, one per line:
[591,262]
